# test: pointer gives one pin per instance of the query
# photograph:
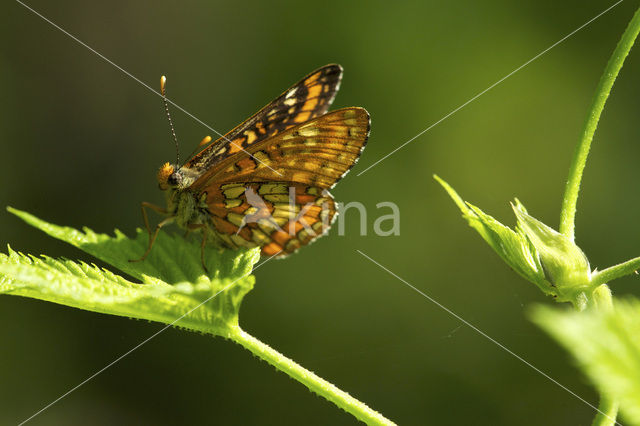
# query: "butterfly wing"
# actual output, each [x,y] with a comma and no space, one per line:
[281,202]
[279,217]
[309,98]
[316,153]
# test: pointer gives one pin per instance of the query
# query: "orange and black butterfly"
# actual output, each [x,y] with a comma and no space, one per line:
[265,183]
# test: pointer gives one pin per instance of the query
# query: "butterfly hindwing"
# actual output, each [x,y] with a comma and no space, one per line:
[309,98]
[279,217]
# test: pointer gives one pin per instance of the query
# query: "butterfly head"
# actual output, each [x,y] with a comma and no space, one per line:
[169,177]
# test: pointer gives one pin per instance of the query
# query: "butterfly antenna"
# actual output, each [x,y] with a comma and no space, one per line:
[163,91]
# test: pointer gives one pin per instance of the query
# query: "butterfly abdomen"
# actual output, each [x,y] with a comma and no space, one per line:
[187,208]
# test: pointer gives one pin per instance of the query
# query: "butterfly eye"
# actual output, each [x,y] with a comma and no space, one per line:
[174,179]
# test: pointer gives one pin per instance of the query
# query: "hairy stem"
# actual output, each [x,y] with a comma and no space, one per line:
[568,213]
[602,296]
[608,407]
[316,384]
[617,271]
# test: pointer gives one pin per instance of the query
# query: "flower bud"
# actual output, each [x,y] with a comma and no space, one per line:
[565,266]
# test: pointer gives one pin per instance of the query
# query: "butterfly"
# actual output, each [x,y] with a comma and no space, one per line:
[266,182]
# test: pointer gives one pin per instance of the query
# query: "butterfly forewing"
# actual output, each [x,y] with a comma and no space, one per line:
[318,153]
[309,98]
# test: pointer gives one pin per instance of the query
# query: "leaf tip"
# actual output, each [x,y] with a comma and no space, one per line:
[27,217]
[453,194]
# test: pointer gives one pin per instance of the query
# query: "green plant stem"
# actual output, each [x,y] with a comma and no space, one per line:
[608,412]
[309,379]
[568,213]
[602,298]
[608,407]
[601,294]
[617,271]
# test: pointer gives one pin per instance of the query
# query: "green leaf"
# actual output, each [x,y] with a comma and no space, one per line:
[606,345]
[173,282]
[174,289]
[513,246]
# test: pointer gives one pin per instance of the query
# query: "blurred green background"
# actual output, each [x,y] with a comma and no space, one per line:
[81,143]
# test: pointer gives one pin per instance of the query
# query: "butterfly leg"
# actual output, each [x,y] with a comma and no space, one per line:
[204,241]
[152,235]
[144,205]
[194,226]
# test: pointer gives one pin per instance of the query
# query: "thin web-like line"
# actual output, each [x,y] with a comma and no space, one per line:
[491,87]
[140,344]
[143,83]
[476,329]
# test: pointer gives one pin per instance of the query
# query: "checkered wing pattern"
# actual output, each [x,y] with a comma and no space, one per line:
[276,195]
[278,217]
[317,153]
[309,98]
